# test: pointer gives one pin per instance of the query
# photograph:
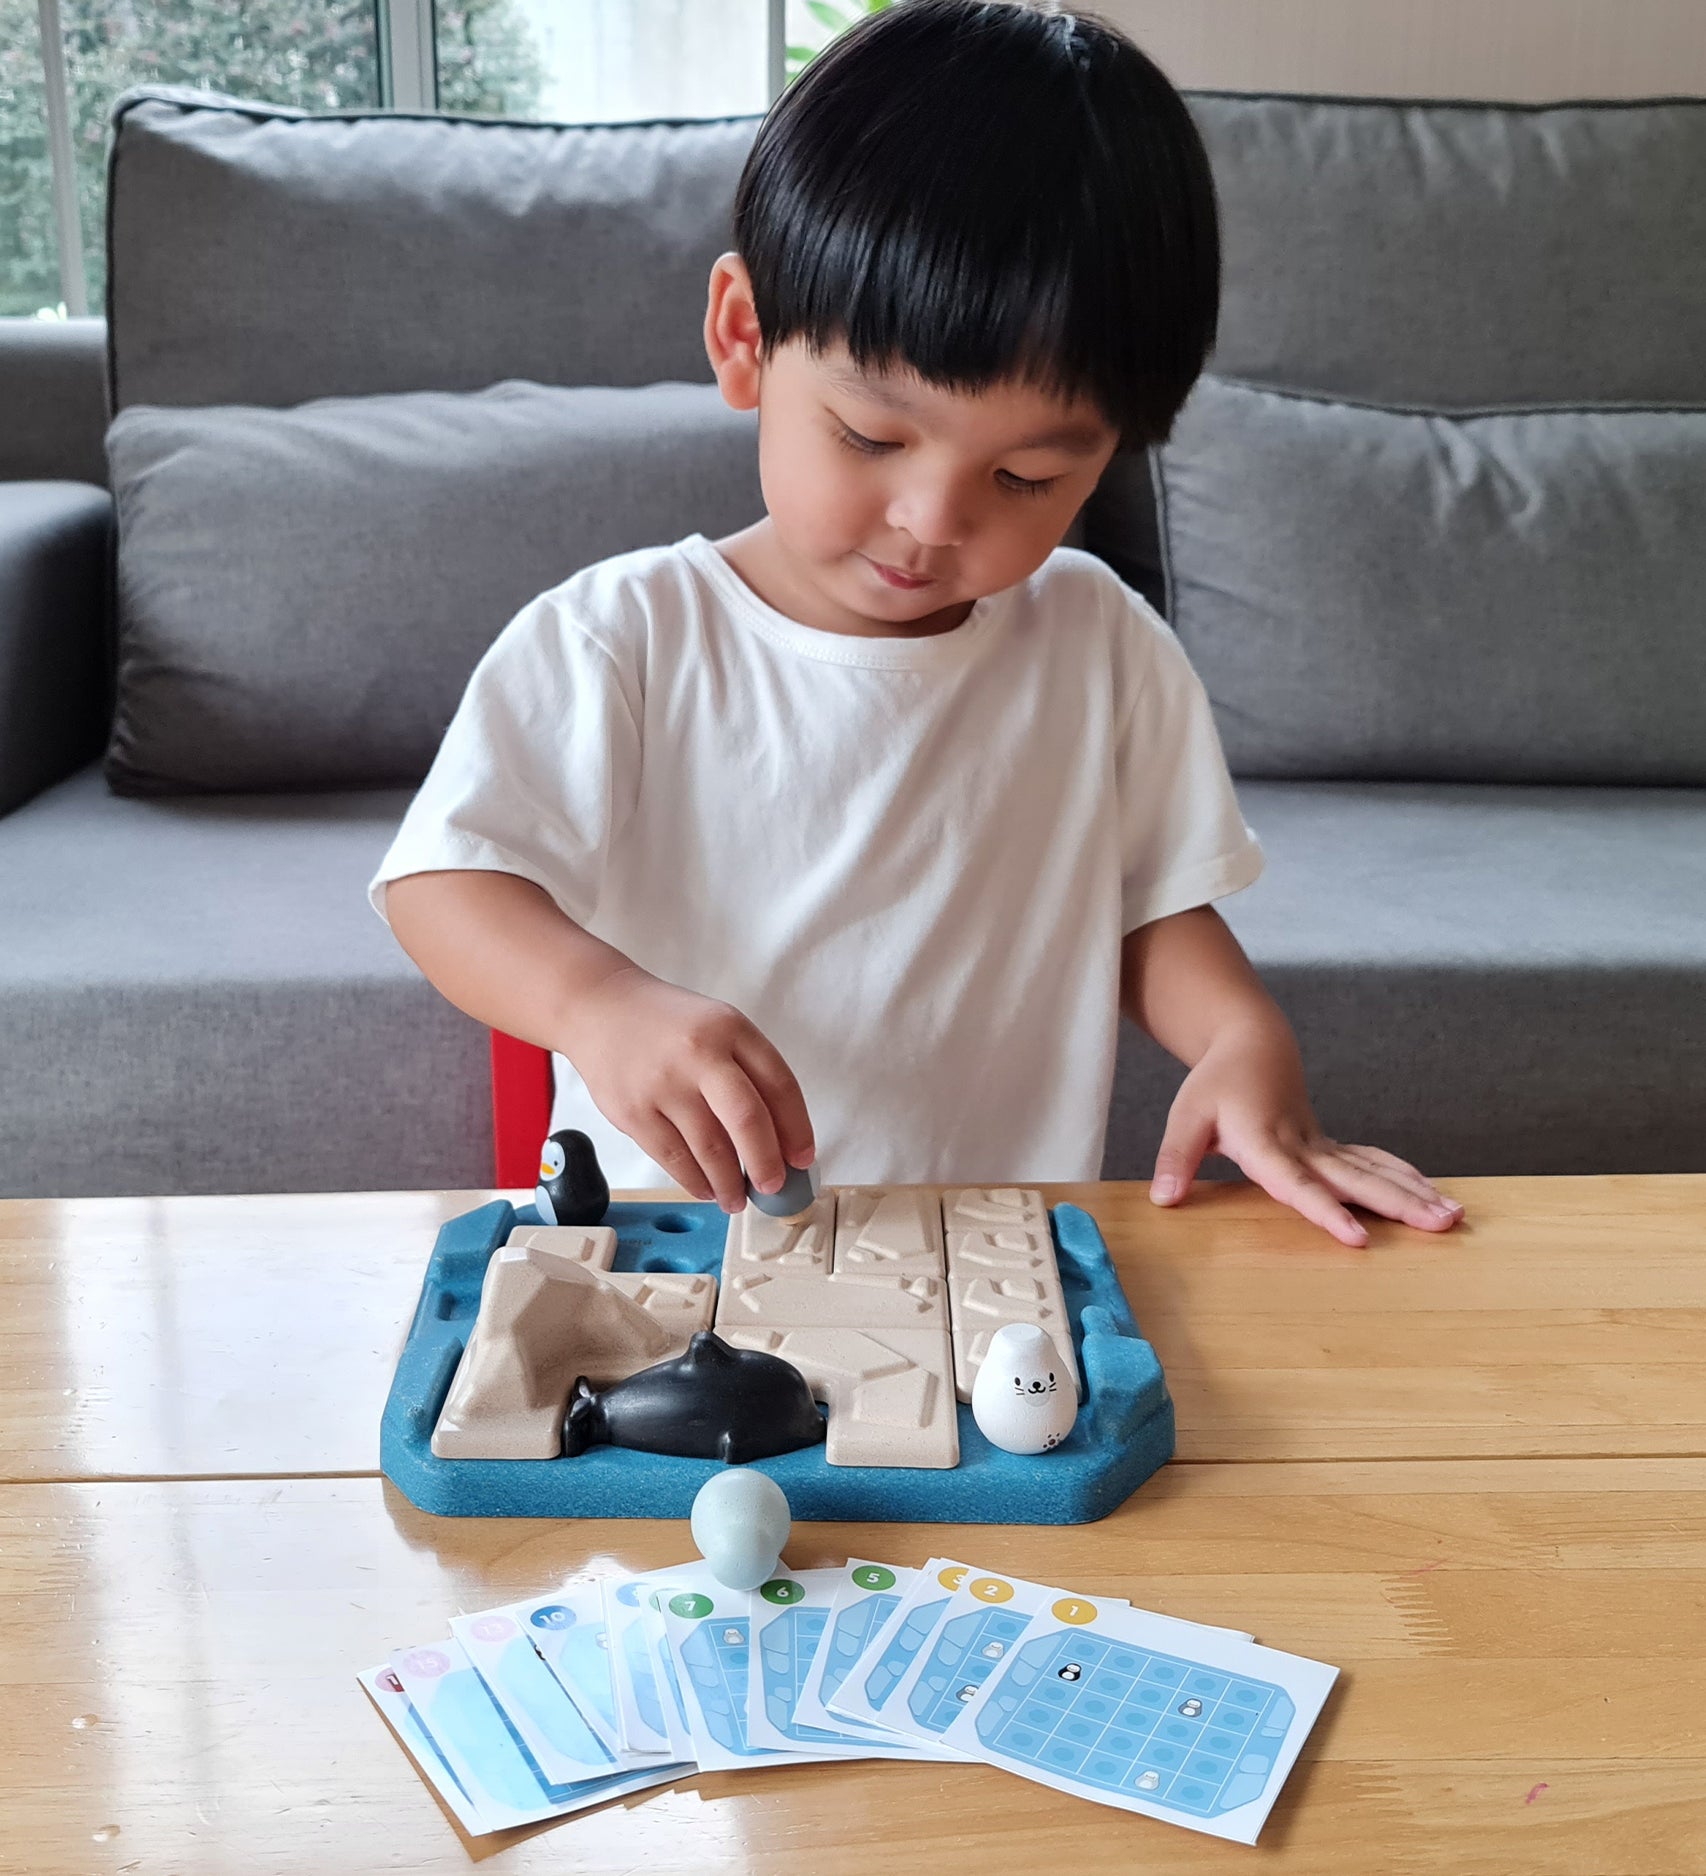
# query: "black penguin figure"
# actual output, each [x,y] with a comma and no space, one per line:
[571,1188]
[713,1402]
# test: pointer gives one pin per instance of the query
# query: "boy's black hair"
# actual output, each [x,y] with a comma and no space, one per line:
[978,191]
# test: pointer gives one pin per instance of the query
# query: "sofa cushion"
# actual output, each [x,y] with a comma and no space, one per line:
[1450,257]
[1487,980]
[303,593]
[196,997]
[1483,979]
[1508,597]
[1460,255]
[264,256]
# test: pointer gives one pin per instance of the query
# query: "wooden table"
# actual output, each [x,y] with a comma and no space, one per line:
[1471,1471]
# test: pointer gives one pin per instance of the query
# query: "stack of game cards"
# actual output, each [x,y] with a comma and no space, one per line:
[540,1708]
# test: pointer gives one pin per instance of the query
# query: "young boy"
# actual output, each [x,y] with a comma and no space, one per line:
[852,834]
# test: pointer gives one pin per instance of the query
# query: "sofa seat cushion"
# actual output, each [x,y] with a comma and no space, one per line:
[1483,979]
[196,997]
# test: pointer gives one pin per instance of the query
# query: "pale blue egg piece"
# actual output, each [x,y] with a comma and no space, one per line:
[740,1522]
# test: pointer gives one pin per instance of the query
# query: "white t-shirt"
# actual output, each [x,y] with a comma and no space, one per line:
[910,862]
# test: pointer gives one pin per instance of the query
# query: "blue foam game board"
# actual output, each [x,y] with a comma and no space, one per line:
[1127,1720]
[1124,1430]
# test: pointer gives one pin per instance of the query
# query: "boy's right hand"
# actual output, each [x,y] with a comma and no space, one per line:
[692,1082]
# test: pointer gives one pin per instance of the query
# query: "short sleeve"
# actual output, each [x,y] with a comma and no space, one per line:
[1183,841]
[538,769]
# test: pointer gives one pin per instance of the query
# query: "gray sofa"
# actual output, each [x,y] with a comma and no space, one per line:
[1485,903]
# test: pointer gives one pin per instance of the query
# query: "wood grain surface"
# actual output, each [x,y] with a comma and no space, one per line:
[1523,1646]
[241,1337]
[1470,1471]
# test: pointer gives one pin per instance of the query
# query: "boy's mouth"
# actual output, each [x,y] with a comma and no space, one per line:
[898,577]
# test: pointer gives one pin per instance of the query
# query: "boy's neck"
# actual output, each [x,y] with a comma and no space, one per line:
[763,563]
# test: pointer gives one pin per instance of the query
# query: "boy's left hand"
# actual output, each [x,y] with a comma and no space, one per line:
[1246,1099]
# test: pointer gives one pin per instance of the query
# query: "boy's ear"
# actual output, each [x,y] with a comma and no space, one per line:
[732,340]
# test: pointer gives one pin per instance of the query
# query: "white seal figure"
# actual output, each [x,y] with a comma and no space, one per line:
[740,1522]
[1024,1399]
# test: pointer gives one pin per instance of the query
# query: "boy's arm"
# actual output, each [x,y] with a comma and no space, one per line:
[686,1077]
[1186,980]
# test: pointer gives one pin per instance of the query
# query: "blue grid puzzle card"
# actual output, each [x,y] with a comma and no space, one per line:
[1102,1703]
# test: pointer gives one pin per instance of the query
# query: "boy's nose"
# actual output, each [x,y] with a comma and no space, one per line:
[932,518]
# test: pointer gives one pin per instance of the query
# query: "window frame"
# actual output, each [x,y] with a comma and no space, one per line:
[407,35]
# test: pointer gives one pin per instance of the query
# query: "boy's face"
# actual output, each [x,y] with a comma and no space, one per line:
[894,504]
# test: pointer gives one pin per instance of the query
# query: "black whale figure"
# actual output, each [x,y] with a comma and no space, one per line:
[713,1402]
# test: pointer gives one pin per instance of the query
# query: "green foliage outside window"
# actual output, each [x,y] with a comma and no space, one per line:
[834,16]
[320,55]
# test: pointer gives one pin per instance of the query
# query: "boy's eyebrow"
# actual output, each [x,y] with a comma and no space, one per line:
[1077,438]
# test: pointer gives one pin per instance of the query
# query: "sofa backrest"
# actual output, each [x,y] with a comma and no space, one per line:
[266,256]
[1442,256]
[1457,256]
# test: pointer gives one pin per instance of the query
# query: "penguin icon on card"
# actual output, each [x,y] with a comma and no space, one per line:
[572,1188]
[1024,1399]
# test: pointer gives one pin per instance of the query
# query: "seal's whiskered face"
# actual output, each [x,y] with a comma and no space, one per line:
[1036,1385]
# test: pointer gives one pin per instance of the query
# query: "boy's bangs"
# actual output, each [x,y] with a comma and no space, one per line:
[964,314]
[979,193]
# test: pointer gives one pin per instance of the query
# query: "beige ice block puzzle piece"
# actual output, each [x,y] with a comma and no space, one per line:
[686,1300]
[592,1245]
[889,1392]
[788,1300]
[1001,1276]
[896,1229]
[803,1245]
[544,1319]
[990,1208]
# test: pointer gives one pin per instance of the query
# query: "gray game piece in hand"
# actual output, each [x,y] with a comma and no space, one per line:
[798,1193]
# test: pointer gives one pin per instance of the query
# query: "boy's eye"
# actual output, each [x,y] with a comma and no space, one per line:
[865,445]
[1019,486]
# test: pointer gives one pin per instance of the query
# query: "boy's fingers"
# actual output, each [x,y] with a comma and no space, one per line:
[1380,1191]
[1182,1148]
[780,1092]
[1401,1172]
[740,1109]
[662,1142]
[1294,1185]
[713,1150]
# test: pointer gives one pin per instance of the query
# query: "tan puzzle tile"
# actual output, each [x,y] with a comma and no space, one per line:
[989,1208]
[683,1301]
[1001,1276]
[888,1228]
[592,1245]
[889,1392]
[544,1319]
[787,1300]
[1014,1249]
[757,1242]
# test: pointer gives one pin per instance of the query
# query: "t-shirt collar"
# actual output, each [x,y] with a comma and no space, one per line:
[939,651]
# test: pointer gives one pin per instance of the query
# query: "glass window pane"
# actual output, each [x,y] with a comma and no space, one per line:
[29,255]
[319,54]
[602,61]
[811,24]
